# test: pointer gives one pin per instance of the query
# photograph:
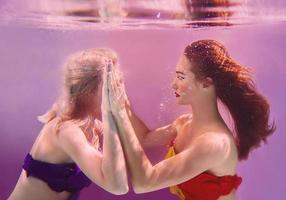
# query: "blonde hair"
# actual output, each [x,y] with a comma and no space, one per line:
[82,77]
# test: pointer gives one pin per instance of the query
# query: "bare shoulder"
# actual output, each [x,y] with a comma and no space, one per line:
[72,140]
[216,144]
[69,132]
[68,127]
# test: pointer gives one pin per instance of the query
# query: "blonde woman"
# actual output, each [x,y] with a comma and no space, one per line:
[66,155]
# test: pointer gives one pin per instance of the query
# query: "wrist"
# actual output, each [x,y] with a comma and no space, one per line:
[106,113]
[120,114]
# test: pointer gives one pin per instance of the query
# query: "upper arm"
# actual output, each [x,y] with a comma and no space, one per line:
[164,135]
[160,136]
[206,153]
[74,143]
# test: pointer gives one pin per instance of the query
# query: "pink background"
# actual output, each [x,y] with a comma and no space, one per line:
[30,61]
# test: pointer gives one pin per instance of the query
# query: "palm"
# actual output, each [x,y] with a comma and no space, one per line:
[117,94]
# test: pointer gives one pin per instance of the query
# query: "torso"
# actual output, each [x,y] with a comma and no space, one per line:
[46,148]
[187,132]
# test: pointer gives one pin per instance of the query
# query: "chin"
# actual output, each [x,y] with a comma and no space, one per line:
[179,102]
[182,103]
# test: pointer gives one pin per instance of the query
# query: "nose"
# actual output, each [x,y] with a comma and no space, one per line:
[174,85]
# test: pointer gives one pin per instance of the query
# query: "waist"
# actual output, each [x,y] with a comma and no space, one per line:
[34,188]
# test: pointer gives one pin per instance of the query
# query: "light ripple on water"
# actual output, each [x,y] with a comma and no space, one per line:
[139,14]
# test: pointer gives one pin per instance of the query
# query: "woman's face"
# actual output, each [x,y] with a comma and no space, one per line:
[185,85]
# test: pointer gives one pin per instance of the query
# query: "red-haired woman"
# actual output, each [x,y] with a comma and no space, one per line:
[204,152]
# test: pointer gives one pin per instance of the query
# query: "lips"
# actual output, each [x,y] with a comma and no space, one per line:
[176,94]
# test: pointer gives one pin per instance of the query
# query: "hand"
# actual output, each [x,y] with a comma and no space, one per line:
[117,94]
[105,105]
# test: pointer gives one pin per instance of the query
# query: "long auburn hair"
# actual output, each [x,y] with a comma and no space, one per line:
[82,77]
[236,89]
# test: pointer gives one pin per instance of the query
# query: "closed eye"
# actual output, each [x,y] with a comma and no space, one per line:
[180,77]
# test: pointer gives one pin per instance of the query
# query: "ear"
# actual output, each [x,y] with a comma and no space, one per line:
[207,82]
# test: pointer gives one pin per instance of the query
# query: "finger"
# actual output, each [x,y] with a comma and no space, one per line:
[105,89]
[106,80]
[117,80]
[110,83]
[111,88]
[113,81]
[103,84]
[119,90]
[116,76]
[109,67]
[115,85]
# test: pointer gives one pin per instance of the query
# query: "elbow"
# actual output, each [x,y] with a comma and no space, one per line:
[140,188]
[115,182]
[123,189]
[115,187]
[119,190]
[144,184]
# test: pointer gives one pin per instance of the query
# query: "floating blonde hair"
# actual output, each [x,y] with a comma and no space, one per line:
[82,76]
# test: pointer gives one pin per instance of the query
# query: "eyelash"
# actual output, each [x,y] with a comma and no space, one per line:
[180,78]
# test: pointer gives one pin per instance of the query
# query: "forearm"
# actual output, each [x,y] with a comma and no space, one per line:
[140,128]
[139,165]
[113,162]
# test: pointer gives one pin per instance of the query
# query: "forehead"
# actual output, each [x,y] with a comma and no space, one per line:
[183,64]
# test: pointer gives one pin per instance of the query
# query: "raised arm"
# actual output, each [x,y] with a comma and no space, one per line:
[139,126]
[147,137]
[206,152]
[108,170]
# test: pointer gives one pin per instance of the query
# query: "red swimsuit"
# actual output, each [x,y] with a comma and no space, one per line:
[205,186]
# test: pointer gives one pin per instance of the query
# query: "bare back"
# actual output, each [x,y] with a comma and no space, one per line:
[46,148]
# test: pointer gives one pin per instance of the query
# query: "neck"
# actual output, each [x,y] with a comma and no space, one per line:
[206,111]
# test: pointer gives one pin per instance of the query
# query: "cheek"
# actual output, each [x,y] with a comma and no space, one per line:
[186,90]
[187,87]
